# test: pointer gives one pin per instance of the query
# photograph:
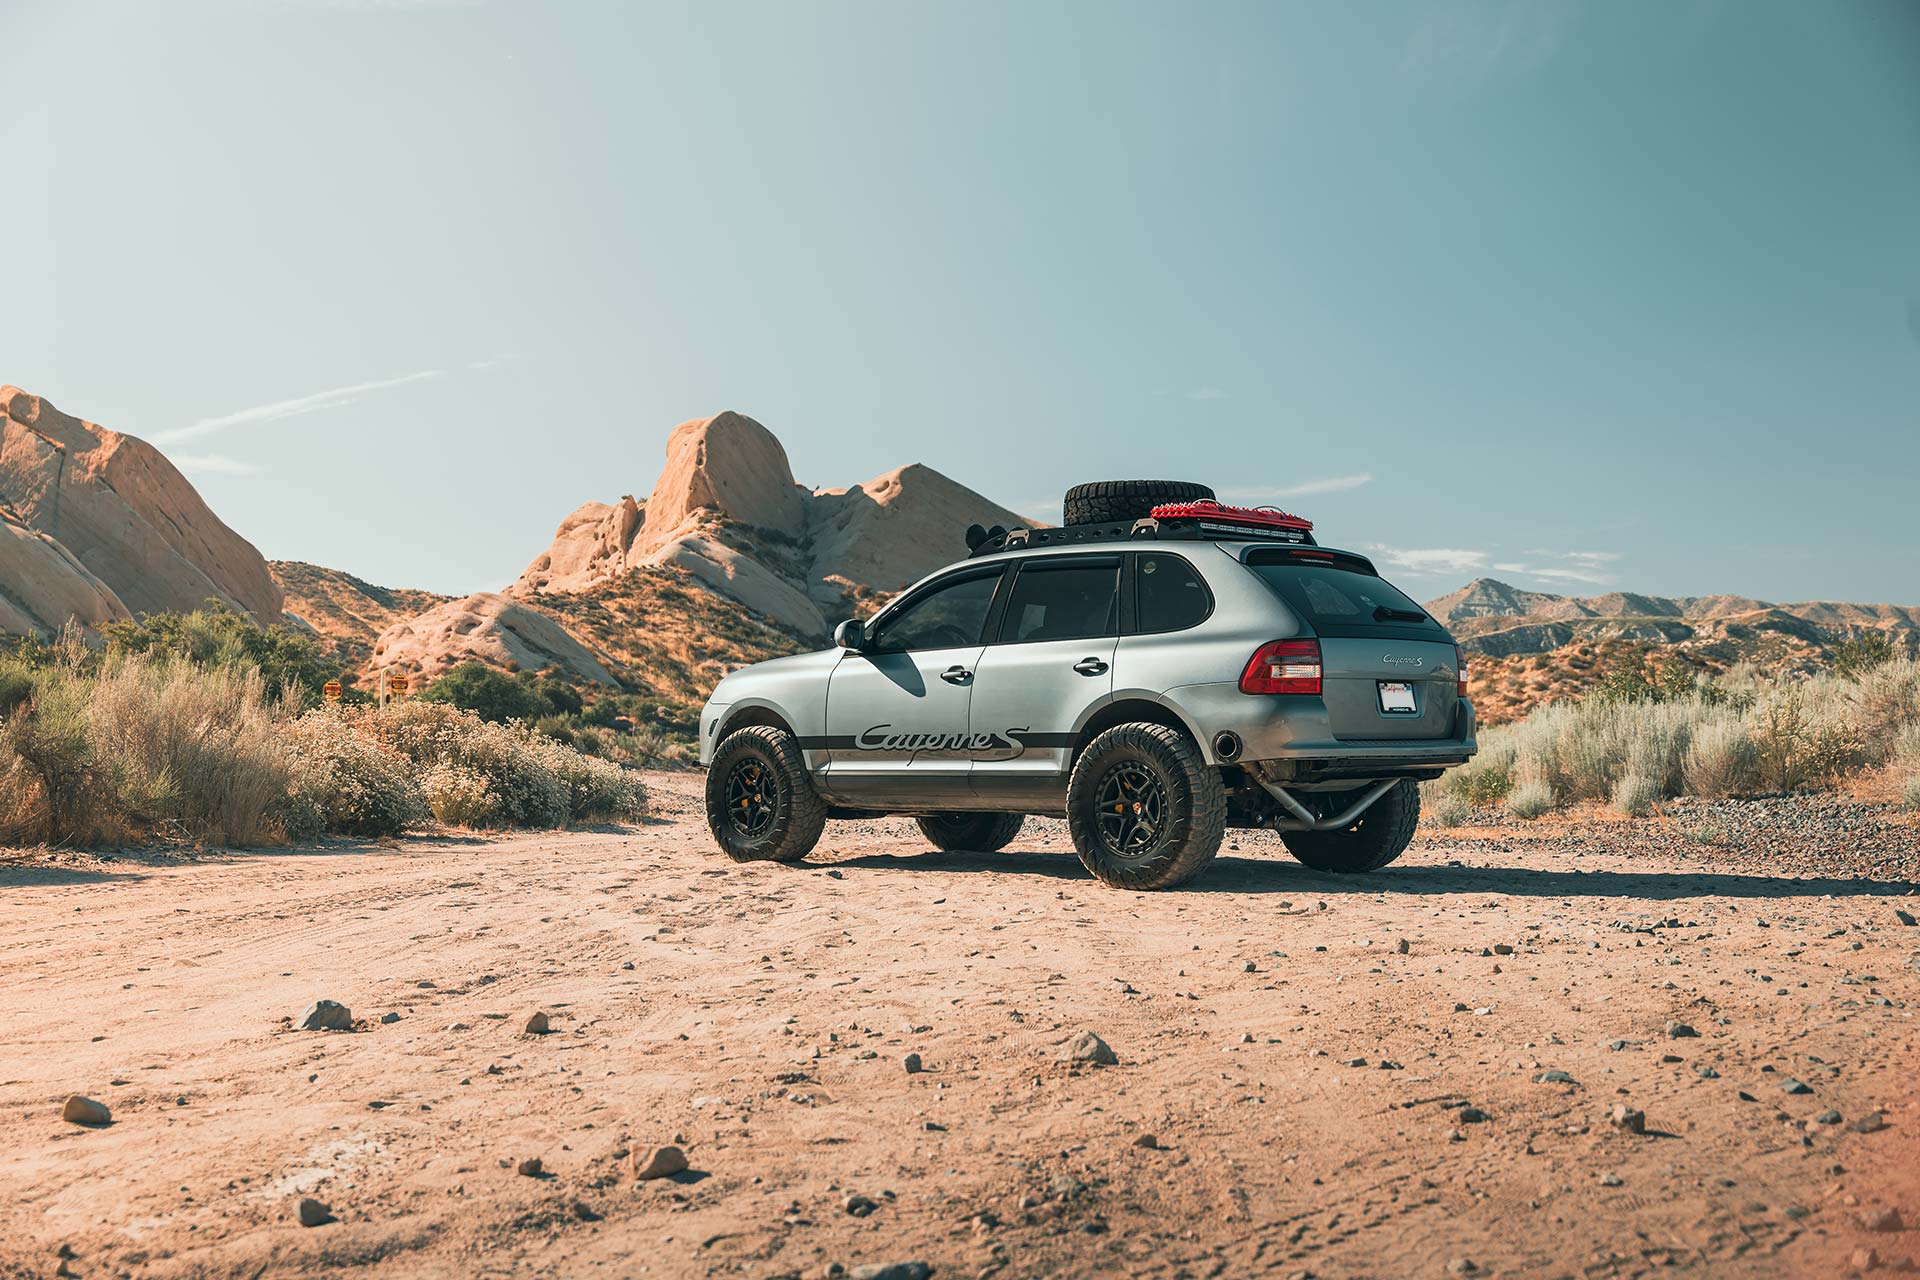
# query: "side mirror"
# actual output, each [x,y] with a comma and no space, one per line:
[851,634]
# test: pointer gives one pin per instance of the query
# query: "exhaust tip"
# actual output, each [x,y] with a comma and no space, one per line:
[1226,746]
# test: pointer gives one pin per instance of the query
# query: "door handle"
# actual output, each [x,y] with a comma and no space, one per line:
[1090,666]
[956,675]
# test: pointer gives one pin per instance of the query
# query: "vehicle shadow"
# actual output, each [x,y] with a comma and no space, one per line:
[1262,875]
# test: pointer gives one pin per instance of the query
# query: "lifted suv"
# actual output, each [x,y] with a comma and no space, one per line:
[1157,670]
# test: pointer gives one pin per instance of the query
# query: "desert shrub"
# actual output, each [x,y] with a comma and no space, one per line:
[16,684]
[63,792]
[1635,679]
[1721,760]
[594,788]
[499,697]
[1906,746]
[1859,654]
[1442,808]
[219,636]
[589,742]
[1635,794]
[346,781]
[191,751]
[491,695]
[1530,799]
[526,790]
[458,797]
[1910,794]
[1883,704]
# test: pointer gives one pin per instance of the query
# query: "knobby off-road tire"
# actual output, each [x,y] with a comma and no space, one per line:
[1126,500]
[1377,837]
[761,805]
[1145,810]
[971,832]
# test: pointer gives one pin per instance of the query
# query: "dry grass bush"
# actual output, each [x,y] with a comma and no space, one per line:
[1910,794]
[143,747]
[1739,735]
[346,781]
[458,797]
[1635,794]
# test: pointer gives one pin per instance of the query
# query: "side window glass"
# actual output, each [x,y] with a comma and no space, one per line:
[1064,601]
[1169,593]
[950,616]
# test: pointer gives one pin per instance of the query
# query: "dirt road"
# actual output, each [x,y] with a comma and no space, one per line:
[1342,1077]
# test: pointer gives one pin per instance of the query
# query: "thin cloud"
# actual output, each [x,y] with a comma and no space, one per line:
[212,464]
[332,398]
[1329,484]
[1574,575]
[1432,560]
[1581,557]
[1207,393]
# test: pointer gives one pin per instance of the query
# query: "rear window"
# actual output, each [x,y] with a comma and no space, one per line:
[1342,602]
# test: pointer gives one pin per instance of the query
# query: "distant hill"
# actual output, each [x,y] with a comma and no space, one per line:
[1530,647]
[346,612]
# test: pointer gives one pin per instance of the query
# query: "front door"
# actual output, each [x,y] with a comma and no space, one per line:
[1048,667]
[897,709]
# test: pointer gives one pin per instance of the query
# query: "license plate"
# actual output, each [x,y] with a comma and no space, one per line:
[1396,698]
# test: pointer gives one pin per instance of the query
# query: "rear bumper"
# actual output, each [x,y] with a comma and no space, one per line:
[1291,734]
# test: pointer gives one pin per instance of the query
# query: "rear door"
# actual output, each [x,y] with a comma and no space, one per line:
[1048,664]
[897,710]
[1388,670]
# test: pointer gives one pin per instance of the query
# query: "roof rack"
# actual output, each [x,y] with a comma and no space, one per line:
[1221,524]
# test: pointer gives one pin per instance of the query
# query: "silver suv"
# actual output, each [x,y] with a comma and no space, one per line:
[1156,670]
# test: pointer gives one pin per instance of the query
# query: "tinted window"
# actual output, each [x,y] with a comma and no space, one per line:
[948,616]
[1341,602]
[1067,600]
[1168,593]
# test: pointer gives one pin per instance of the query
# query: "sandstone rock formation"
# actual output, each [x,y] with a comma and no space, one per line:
[727,510]
[730,465]
[42,585]
[122,510]
[493,628]
[346,613]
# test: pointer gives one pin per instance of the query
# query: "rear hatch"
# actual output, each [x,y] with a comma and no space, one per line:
[1388,671]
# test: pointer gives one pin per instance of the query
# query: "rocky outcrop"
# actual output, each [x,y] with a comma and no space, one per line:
[728,466]
[726,510]
[122,510]
[895,529]
[493,628]
[593,544]
[346,613]
[42,586]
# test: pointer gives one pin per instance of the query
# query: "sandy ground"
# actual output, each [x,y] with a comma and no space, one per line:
[1304,1075]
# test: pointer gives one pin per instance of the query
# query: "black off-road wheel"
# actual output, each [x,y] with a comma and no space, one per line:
[1146,812]
[1126,500]
[1378,836]
[761,805]
[971,832]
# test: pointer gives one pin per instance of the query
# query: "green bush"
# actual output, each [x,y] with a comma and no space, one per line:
[218,636]
[492,695]
[1859,654]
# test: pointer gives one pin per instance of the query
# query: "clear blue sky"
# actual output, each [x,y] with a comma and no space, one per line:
[1574,294]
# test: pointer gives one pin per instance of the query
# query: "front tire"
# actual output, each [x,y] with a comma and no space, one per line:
[1378,836]
[1146,812]
[972,832]
[761,805]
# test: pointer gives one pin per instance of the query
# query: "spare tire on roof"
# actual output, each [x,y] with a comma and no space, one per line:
[1109,500]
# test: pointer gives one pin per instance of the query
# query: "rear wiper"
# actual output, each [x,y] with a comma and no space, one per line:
[1385,614]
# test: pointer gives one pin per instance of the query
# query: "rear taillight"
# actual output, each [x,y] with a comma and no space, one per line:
[1460,670]
[1283,666]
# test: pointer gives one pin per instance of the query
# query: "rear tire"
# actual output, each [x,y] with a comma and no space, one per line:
[1126,500]
[1145,810]
[971,832]
[761,805]
[1377,837]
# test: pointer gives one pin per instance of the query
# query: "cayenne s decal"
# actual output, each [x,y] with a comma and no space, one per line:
[881,738]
